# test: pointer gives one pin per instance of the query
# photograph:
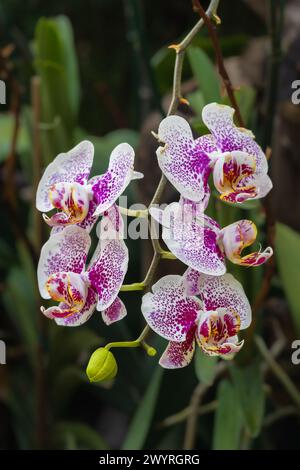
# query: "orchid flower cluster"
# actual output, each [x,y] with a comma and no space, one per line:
[205,306]
[63,272]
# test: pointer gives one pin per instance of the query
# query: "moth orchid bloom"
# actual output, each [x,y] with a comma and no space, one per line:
[65,185]
[238,164]
[211,320]
[198,241]
[63,277]
[240,168]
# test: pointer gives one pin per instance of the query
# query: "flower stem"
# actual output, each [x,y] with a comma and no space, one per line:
[159,253]
[139,342]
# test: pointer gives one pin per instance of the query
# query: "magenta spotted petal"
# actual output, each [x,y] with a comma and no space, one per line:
[179,355]
[65,186]
[183,160]
[64,251]
[115,312]
[168,311]
[112,220]
[71,167]
[219,120]
[108,187]
[191,280]
[225,292]
[108,266]
[192,237]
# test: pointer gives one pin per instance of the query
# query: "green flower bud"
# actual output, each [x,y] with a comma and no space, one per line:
[102,366]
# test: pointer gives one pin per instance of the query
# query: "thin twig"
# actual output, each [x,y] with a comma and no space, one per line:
[275,29]
[219,58]
[275,33]
[277,370]
[10,190]
[182,415]
[37,158]
[197,396]
[176,96]
[279,414]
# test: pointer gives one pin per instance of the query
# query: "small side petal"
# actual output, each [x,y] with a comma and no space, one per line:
[178,355]
[108,267]
[191,279]
[115,312]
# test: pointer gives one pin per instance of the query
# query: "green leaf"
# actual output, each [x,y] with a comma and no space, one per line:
[142,419]
[66,345]
[197,102]
[65,384]
[21,304]
[249,386]
[245,98]
[228,419]
[205,367]
[287,245]
[84,436]
[70,61]
[6,132]
[55,62]
[205,74]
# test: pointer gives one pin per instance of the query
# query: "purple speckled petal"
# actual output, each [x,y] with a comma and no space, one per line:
[78,318]
[109,186]
[219,120]
[90,219]
[182,159]
[207,143]
[239,235]
[225,292]
[112,220]
[64,251]
[168,311]
[70,167]
[108,266]
[190,280]
[192,237]
[115,312]
[179,355]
